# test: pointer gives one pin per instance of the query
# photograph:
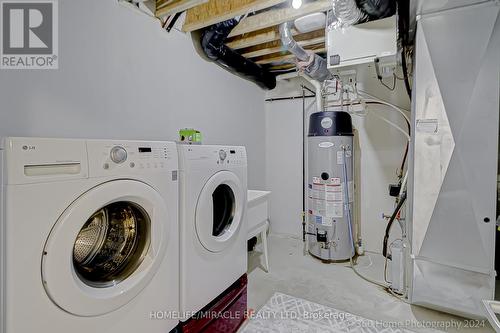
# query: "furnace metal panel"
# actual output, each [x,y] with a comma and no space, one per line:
[452,187]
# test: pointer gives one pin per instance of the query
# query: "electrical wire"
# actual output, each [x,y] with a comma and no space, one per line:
[403,37]
[349,223]
[389,224]
[405,156]
[407,120]
[386,259]
[397,108]
[402,298]
[385,270]
[405,73]
[380,284]
[378,101]
[393,125]
[401,111]
[387,86]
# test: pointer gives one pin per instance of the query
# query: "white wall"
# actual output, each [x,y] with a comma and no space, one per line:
[284,159]
[120,76]
[380,154]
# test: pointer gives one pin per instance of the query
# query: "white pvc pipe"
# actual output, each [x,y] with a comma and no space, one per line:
[400,110]
[317,88]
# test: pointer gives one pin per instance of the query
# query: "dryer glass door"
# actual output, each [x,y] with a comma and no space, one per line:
[223,209]
[219,211]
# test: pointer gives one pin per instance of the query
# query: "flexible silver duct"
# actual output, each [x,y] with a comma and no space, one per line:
[347,13]
[290,44]
[350,12]
[315,66]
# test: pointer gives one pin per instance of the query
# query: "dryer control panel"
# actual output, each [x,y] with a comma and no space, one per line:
[230,156]
[109,157]
[214,156]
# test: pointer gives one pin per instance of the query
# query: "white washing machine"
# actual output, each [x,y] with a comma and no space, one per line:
[89,235]
[213,189]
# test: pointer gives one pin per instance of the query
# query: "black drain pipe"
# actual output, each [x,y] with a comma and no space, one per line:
[212,43]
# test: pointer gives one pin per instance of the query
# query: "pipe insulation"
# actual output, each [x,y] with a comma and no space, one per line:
[212,43]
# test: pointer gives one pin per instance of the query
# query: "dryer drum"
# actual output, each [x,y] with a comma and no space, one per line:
[112,244]
[223,209]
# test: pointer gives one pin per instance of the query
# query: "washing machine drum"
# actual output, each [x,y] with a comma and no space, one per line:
[219,211]
[112,244]
[106,247]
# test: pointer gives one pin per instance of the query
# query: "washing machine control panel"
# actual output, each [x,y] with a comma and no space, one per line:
[130,156]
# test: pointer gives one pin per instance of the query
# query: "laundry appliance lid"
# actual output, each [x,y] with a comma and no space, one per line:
[105,248]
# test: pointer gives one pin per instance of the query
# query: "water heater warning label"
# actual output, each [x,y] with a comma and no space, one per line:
[334,209]
[327,222]
[326,198]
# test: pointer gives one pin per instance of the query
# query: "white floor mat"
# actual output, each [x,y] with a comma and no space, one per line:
[288,314]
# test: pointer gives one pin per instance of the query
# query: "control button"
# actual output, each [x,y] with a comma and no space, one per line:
[132,164]
[118,154]
[222,154]
[106,166]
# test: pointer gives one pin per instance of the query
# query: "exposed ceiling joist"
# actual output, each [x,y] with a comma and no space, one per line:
[277,16]
[215,11]
[161,3]
[282,67]
[255,38]
[307,39]
[169,7]
[277,57]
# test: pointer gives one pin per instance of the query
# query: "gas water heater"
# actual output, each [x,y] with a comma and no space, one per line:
[330,186]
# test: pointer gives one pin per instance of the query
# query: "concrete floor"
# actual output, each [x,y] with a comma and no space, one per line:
[335,285]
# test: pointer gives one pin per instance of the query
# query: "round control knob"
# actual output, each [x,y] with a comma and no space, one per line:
[222,154]
[118,154]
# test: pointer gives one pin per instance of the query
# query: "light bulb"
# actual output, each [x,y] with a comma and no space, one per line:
[296,4]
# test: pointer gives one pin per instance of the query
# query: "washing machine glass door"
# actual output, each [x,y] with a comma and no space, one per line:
[105,248]
[219,211]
